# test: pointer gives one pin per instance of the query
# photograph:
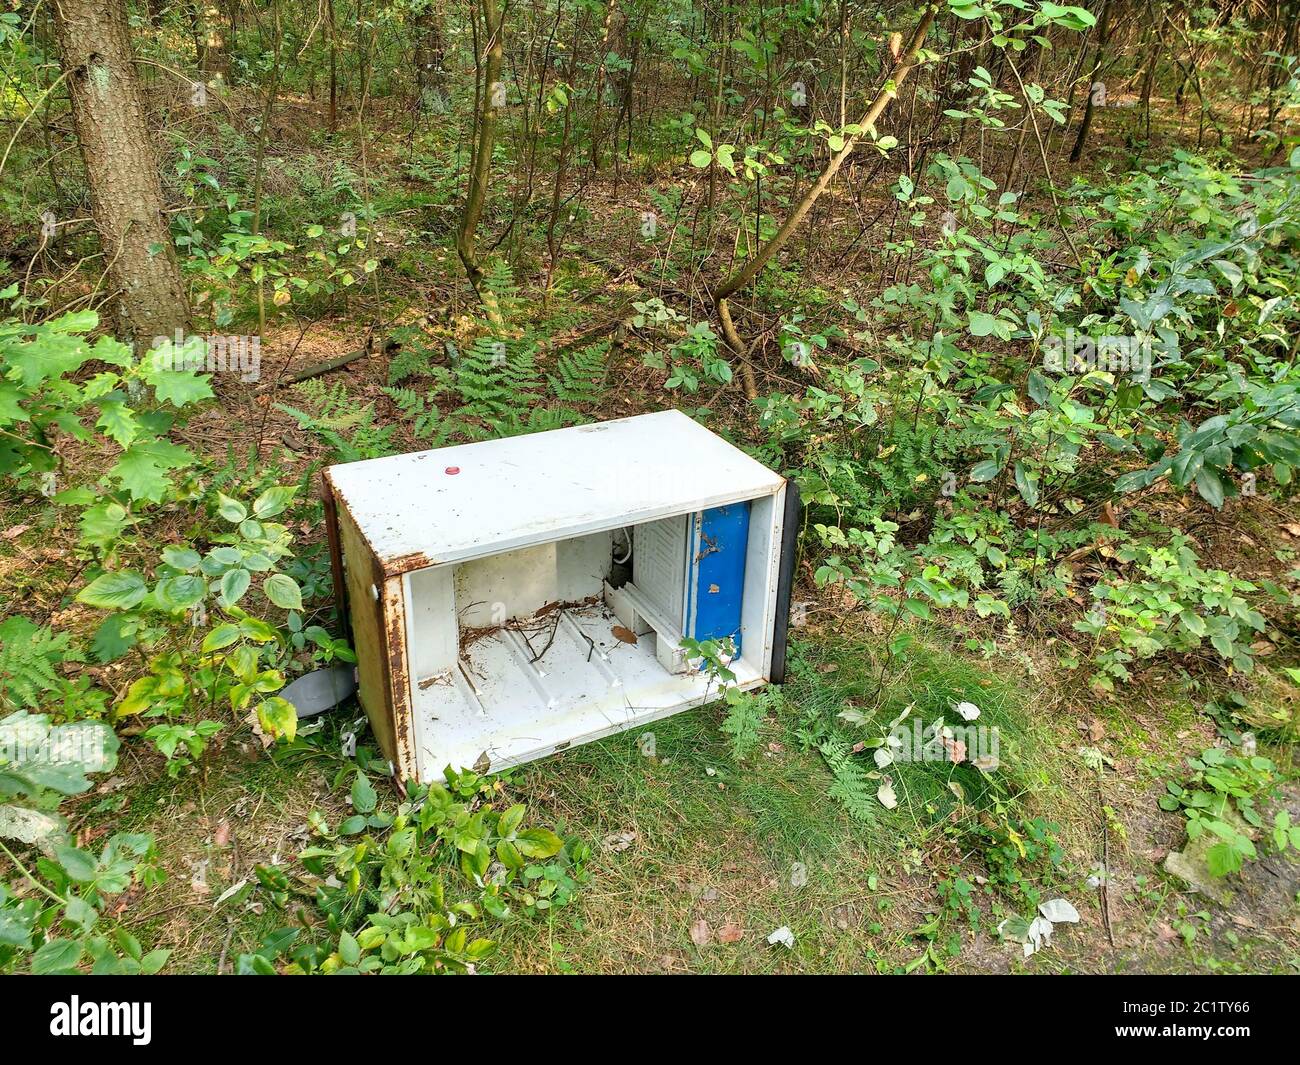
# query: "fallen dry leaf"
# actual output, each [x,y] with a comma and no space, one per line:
[221,836]
[730,933]
[14,531]
[618,841]
[624,635]
[700,934]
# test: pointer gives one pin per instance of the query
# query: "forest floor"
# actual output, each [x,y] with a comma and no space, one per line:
[695,854]
[699,858]
[690,836]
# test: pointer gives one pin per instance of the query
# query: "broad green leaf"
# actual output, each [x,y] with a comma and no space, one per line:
[179,387]
[283,591]
[181,592]
[273,501]
[364,797]
[120,590]
[539,843]
[222,636]
[1026,484]
[349,951]
[234,583]
[279,718]
[181,558]
[1210,486]
[115,636]
[511,820]
[56,956]
[142,469]
[103,523]
[231,509]
[78,864]
[118,421]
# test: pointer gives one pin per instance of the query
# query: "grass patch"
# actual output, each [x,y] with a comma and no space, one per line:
[692,835]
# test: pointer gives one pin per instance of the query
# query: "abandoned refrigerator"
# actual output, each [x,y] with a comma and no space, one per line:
[512,598]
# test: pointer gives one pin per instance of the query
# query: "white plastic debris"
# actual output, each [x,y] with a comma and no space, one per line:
[1059,911]
[1038,936]
[783,936]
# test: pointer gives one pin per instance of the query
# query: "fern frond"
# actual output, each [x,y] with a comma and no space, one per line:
[29,657]
[852,788]
[579,376]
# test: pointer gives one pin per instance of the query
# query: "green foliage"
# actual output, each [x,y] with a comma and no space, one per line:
[29,659]
[1018,852]
[43,391]
[746,714]
[579,377]
[962,465]
[347,427]
[494,388]
[853,786]
[1167,602]
[235,659]
[54,925]
[31,673]
[695,359]
[1222,798]
[417,886]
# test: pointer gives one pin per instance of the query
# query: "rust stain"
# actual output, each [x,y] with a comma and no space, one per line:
[399,682]
[395,567]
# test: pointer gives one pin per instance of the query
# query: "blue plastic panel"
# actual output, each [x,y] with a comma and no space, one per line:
[715,587]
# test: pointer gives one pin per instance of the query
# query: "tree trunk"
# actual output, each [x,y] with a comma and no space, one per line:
[1103,38]
[121,168]
[491,100]
[430,56]
[334,65]
[598,97]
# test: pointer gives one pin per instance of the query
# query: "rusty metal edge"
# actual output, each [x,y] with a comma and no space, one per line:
[390,625]
[330,505]
[392,620]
